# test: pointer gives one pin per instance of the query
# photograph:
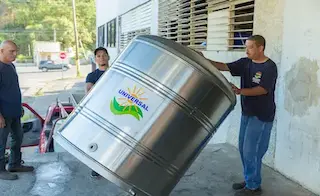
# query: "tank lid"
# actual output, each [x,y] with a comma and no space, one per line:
[193,58]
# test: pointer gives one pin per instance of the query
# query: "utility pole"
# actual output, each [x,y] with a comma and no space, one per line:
[54,35]
[76,37]
[83,50]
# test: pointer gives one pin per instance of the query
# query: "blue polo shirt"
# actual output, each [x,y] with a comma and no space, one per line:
[94,76]
[10,94]
[252,75]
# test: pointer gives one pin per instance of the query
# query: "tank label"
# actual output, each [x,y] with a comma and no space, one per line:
[132,99]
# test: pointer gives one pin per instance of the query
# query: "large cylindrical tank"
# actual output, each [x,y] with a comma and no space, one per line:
[149,116]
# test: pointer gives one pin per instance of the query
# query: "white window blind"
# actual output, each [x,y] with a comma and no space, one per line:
[135,22]
[168,19]
[184,21]
[230,23]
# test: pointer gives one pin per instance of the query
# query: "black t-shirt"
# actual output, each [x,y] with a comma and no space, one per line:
[10,94]
[94,76]
[252,75]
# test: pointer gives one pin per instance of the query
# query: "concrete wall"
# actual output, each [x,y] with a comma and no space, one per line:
[298,133]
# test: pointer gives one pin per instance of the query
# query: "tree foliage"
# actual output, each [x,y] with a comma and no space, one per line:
[37,20]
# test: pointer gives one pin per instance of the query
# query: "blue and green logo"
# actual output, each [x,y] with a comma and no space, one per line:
[129,103]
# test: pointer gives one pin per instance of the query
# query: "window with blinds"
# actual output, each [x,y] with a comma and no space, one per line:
[101,35]
[184,21]
[230,23]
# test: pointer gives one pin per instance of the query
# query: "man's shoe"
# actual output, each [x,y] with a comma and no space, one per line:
[21,168]
[248,192]
[94,174]
[238,186]
[5,175]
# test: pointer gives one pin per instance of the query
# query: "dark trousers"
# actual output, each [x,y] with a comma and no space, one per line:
[13,126]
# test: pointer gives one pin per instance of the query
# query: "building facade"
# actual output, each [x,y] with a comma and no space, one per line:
[46,51]
[219,28]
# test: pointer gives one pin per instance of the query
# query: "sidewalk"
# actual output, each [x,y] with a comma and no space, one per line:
[212,174]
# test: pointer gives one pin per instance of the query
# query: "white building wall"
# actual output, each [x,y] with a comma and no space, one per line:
[109,9]
[298,131]
[154,17]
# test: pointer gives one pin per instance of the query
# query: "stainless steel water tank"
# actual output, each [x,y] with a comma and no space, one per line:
[149,116]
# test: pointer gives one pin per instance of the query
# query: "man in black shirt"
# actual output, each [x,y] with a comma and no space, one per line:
[10,113]
[102,60]
[258,80]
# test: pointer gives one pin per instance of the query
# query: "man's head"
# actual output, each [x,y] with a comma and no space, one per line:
[255,46]
[8,51]
[101,56]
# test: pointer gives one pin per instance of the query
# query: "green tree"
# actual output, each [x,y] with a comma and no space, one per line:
[37,20]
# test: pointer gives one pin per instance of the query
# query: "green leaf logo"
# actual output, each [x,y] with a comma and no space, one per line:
[118,109]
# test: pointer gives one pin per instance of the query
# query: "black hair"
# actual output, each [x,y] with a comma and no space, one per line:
[100,49]
[259,39]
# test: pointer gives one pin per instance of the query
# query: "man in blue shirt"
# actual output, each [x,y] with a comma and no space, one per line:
[10,113]
[258,81]
[102,60]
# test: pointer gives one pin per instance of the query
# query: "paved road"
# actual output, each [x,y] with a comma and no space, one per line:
[32,76]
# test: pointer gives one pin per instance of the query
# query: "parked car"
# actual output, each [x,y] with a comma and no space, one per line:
[51,65]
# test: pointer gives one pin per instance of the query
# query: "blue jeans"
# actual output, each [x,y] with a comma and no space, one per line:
[13,126]
[253,144]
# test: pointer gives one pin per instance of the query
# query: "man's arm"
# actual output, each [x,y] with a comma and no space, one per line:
[220,66]
[2,122]
[89,82]
[89,85]
[236,68]
[255,91]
